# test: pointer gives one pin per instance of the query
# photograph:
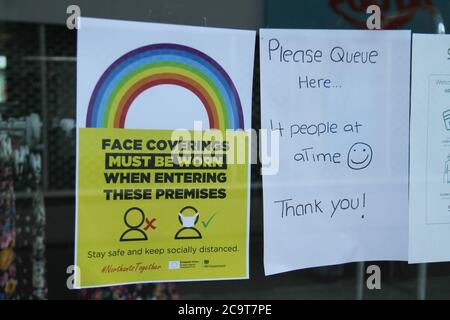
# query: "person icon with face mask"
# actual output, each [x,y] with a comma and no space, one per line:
[188,231]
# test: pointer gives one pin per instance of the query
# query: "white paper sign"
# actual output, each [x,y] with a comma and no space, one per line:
[101,42]
[429,201]
[340,103]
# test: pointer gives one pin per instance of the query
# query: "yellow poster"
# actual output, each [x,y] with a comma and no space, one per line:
[157,203]
[152,207]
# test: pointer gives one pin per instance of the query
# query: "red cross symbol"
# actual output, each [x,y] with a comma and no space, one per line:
[149,224]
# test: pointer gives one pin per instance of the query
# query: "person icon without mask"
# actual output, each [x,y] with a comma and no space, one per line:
[188,231]
[133,218]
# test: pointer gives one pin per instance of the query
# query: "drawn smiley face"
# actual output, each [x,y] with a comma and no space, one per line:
[359,156]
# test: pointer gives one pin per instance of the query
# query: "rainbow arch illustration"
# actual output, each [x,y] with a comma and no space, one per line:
[158,64]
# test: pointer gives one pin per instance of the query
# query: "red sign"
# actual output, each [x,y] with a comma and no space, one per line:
[394,13]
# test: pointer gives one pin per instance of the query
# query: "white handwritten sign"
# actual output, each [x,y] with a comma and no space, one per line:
[339,101]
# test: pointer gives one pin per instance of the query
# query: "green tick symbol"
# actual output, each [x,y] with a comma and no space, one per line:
[206,224]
